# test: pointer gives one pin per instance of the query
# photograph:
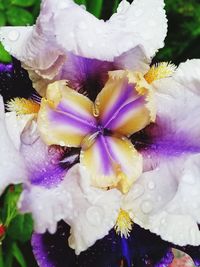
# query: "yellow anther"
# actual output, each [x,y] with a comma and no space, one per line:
[23,106]
[123,224]
[159,71]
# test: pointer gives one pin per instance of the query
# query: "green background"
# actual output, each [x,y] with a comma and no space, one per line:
[182,43]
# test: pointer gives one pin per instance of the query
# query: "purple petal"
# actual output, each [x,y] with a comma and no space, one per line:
[86,75]
[175,133]
[48,165]
[142,249]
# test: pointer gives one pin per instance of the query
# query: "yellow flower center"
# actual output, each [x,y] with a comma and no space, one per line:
[23,106]
[123,224]
[159,71]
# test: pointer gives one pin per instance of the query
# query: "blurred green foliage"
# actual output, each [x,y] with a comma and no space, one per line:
[183,37]
[15,230]
[17,13]
[182,42]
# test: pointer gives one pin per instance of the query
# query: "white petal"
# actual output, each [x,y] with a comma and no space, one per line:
[15,126]
[168,208]
[90,212]
[134,60]
[46,206]
[35,47]
[95,214]
[12,168]
[166,198]
[65,26]
[141,23]
[15,39]
[188,74]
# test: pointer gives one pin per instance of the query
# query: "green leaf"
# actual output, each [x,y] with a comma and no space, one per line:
[36,8]
[81,2]
[95,7]
[21,228]
[115,6]
[8,257]
[2,18]
[1,5]
[6,3]
[18,255]
[1,257]
[10,204]
[4,55]
[23,3]
[17,16]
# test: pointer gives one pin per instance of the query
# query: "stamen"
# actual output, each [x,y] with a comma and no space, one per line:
[124,224]
[22,106]
[159,71]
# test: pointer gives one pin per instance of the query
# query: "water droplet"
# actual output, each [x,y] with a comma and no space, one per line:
[54,162]
[88,141]
[8,48]
[146,207]
[163,221]
[151,185]
[30,134]
[83,7]
[95,110]
[137,191]
[13,35]
[62,143]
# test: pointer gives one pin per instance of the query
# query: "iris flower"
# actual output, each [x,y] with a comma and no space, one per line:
[110,145]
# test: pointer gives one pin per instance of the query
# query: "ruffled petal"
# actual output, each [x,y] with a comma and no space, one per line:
[141,23]
[35,46]
[188,74]
[66,115]
[142,249]
[112,162]
[120,107]
[167,198]
[85,208]
[159,203]
[12,165]
[171,152]
[45,46]
[94,211]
